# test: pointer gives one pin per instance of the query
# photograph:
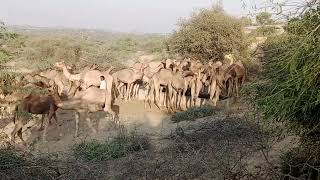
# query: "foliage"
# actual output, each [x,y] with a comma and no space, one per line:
[111,149]
[193,113]
[264,31]
[208,34]
[246,21]
[288,88]
[264,18]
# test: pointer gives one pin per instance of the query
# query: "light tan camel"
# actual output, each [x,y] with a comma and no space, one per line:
[169,64]
[216,84]
[89,77]
[87,101]
[177,88]
[34,104]
[127,76]
[58,78]
[162,77]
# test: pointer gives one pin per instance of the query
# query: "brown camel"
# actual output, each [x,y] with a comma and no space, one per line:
[34,104]
[234,77]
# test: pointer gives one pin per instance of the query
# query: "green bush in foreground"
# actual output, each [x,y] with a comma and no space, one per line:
[288,88]
[193,114]
[111,149]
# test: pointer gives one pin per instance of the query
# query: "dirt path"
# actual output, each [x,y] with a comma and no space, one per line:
[152,122]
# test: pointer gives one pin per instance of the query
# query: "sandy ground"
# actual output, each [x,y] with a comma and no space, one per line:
[133,116]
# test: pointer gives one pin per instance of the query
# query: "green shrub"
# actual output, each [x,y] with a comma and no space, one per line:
[288,88]
[111,149]
[264,31]
[264,18]
[209,34]
[193,113]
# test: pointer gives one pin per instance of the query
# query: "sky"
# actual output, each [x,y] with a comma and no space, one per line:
[144,16]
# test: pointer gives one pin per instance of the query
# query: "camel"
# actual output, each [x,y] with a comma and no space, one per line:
[127,76]
[178,88]
[162,77]
[57,77]
[169,64]
[89,77]
[216,84]
[34,104]
[87,101]
[235,76]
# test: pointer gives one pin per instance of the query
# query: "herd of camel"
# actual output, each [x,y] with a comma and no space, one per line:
[176,84]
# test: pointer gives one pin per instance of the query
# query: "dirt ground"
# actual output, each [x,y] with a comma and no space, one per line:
[133,116]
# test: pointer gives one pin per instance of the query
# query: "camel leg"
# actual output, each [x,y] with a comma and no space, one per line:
[131,91]
[77,117]
[216,96]
[120,89]
[157,95]
[42,119]
[184,100]
[237,87]
[169,97]
[89,123]
[147,97]
[21,138]
[108,108]
[55,118]
[51,114]
[17,127]
[135,90]
[161,96]
[181,101]
[213,88]
[230,87]
[172,99]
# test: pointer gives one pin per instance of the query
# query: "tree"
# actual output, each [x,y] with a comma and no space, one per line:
[264,18]
[208,34]
[246,21]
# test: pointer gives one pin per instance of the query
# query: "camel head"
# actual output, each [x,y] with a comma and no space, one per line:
[217,64]
[62,64]
[230,58]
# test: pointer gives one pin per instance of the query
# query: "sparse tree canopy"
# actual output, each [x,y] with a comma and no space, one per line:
[264,18]
[208,34]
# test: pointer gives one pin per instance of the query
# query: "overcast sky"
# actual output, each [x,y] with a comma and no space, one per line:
[149,16]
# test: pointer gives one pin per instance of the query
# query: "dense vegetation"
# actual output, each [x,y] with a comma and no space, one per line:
[288,89]
[209,34]
[264,18]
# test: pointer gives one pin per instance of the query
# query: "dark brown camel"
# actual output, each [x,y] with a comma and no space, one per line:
[234,78]
[34,104]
